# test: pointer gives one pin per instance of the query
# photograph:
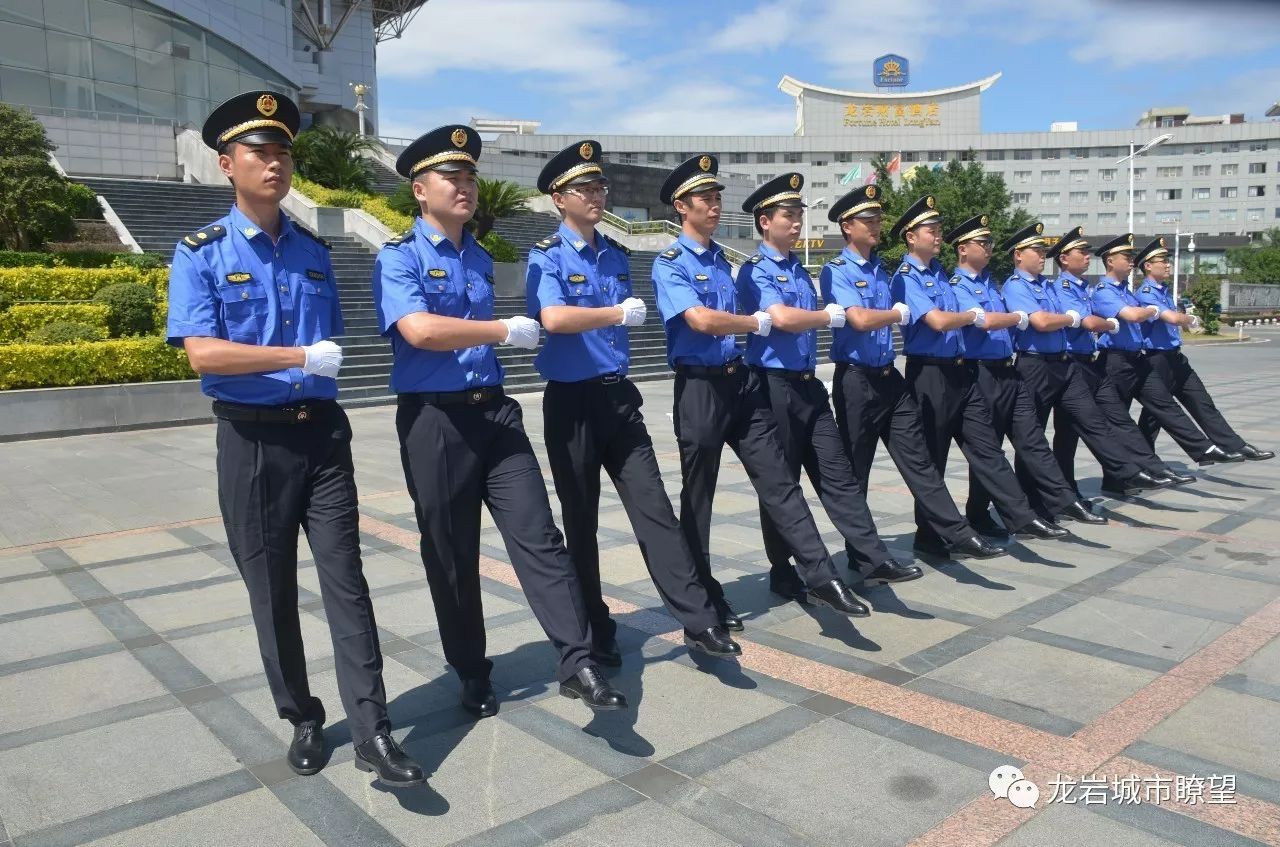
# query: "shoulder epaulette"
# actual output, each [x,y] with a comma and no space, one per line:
[906,268]
[626,251]
[955,280]
[671,254]
[755,259]
[204,236]
[837,261]
[407,235]
[313,236]
[547,243]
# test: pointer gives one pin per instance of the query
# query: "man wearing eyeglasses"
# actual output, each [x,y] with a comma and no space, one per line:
[579,287]
[1169,365]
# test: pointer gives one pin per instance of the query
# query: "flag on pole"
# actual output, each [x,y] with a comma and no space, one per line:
[871,179]
[895,163]
[854,173]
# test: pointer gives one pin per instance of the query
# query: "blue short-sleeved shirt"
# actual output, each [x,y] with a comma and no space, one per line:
[422,271]
[230,281]
[1075,293]
[976,290]
[851,280]
[1026,293]
[1160,335]
[924,289]
[769,279]
[564,270]
[688,275]
[1109,297]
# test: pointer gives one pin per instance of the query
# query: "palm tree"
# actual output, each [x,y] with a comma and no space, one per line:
[333,158]
[497,199]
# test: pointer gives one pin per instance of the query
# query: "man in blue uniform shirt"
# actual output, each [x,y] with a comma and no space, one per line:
[1012,410]
[774,280]
[579,287]
[944,383]
[1115,440]
[719,401]
[871,399]
[1170,365]
[462,441]
[1124,354]
[253,300]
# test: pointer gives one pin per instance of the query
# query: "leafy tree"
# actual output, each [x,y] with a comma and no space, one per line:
[36,203]
[403,201]
[1258,262]
[333,157]
[1206,295]
[498,198]
[962,189]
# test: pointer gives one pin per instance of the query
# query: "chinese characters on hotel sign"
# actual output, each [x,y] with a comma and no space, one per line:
[892,114]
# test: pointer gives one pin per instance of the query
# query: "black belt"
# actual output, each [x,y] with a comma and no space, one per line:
[1128,354]
[1171,351]
[295,414]
[727,369]
[869,370]
[785,373]
[471,396]
[1086,357]
[935,360]
[1052,357]
[996,363]
[603,379]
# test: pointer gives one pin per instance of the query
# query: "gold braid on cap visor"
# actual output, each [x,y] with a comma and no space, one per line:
[932,213]
[441,158]
[690,184]
[575,172]
[778,198]
[1034,241]
[861,207]
[977,233]
[1079,242]
[249,126]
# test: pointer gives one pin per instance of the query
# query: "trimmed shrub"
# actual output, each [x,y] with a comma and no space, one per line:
[141,261]
[66,332]
[82,201]
[91,363]
[132,308]
[21,259]
[500,248]
[22,319]
[6,300]
[34,283]
[393,220]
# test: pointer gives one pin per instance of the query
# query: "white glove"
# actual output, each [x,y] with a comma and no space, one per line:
[1024,320]
[765,321]
[521,332]
[633,311]
[323,358]
[1195,322]
[837,315]
[979,317]
[1115,326]
[1075,317]
[1155,313]
[904,313]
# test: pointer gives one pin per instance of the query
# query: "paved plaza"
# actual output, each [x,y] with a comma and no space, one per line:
[134,710]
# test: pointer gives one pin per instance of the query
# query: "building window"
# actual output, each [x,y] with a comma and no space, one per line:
[1050,154]
[1229,192]
[1079,152]
[910,156]
[1166,121]
[1257,167]
[1139,174]
[819,185]
[1078,218]
[1139,218]
[844,157]
[761,179]
[1022,176]
[1231,147]
[1199,216]
[1107,174]
[1022,155]
[656,157]
[1107,152]
[1255,146]
[1079,197]
[1049,176]
[819,163]
[1230,170]
[937,156]
[1172,217]
[1169,172]
[1139,195]
[1201,193]
[1254,214]
[1050,198]
[1257,191]
[1106,197]
[1079,175]
[1201,170]
[738,158]
[791,158]
[627,158]
[1200,149]
[1168,193]
[764,158]
[995,155]
[1106,218]
[1228,214]
[1051,220]
[1022,197]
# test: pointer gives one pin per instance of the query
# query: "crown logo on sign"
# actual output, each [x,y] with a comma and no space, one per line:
[892,67]
[267,105]
[459,137]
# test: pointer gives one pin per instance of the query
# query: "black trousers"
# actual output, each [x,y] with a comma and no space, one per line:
[1124,434]
[873,405]
[1173,369]
[711,412]
[953,409]
[456,457]
[1014,415]
[589,426]
[1133,378]
[272,479]
[810,440]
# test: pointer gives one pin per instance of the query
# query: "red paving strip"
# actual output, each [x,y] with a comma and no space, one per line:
[81,540]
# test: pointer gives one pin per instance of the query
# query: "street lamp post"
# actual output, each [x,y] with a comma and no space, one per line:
[817,204]
[1133,154]
[361,89]
[1177,244]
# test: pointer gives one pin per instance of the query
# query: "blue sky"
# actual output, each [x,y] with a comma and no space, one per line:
[687,66]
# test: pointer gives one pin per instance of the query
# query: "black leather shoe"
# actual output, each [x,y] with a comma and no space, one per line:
[1141,481]
[1176,478]
[306,753]
[984,525]
[1253,454]
[383,756]
[787,584]
[891,571]
[1216,455]
[728,617]
[478,698]
[1080,512]
[608,654]
[590,686]
[836,595]
[714,642]
[1043,530]
[973,548]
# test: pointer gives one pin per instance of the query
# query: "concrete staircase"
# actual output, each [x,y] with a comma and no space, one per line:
[385,180]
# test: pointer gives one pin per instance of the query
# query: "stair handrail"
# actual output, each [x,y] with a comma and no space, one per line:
[660,226]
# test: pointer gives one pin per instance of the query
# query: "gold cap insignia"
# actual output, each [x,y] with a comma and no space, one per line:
[871,192]
[1130,238]
[1079,230]
[929,201]
[795,180]
[1162,241]
[267,105]
[459,138]
[704,163]
[1039,229]
[586,150]
[983,220]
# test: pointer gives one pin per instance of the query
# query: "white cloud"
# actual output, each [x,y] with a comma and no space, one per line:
[767,26]
[705,107]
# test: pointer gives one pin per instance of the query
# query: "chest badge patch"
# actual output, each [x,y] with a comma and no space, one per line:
[437,273]
[862,283]
[238,278]
[318,276]
[577,278]
[701,277]
[781,278]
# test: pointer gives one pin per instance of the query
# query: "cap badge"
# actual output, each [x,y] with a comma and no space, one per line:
[929,201]
[459,138]
[586,150]
[1039,229]
[795,181]
[704,163]
[871,192]
[984,220]
[267,105]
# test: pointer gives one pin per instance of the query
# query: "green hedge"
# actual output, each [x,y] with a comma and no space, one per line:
[75,283]
[21,319]
[91,363]
[80,259]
